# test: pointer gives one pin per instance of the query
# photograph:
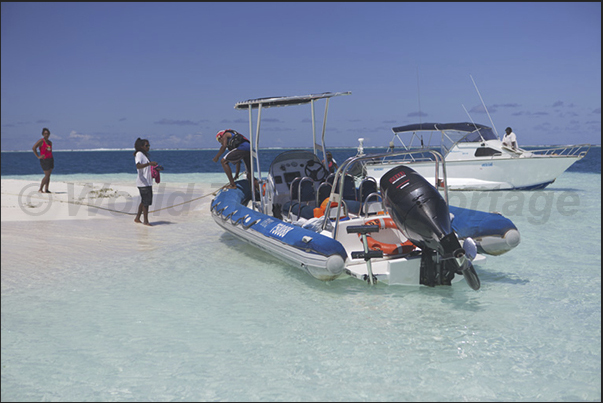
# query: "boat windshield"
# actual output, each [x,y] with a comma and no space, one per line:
[480,134]
[452,137]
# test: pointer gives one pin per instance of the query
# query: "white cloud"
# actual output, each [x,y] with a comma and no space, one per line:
[81,137]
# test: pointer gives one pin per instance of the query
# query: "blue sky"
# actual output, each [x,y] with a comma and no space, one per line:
[99,75]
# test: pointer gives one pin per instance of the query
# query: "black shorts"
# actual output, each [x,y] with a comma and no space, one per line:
[237,155]
[146,195]
[47,164]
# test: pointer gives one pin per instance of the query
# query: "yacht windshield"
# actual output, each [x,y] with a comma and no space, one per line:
[485,132]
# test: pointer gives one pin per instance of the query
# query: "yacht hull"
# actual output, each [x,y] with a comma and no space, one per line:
[489,173]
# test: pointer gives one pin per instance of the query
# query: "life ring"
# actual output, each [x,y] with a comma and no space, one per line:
[387,248]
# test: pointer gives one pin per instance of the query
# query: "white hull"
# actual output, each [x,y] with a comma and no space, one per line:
[398,272]
[490,173]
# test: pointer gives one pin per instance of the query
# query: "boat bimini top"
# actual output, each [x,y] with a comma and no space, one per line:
[271,102]
[475,132]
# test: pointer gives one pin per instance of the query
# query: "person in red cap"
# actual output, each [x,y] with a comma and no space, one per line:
[238,150]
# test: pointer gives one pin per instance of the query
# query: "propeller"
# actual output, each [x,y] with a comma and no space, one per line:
[470,275]
[467,267]
[470,248]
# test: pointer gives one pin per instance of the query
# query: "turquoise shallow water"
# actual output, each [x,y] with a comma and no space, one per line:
[188,312]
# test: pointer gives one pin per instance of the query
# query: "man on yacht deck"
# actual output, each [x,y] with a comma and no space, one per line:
[510,140]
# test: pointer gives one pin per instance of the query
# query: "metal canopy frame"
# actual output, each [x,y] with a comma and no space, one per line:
[270,102]
[446,141]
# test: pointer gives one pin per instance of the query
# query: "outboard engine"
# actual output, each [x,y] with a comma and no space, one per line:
[422,215]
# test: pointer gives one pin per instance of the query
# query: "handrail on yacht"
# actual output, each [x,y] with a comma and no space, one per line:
[347,164]
[447,142]
[563,151]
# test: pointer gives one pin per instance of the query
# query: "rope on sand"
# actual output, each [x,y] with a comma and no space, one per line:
[125,212]
[189,201]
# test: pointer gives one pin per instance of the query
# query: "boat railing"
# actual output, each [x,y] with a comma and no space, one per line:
[447,142]
[336,195]
[440,140]
[414,155]
[414,143]
[577,150]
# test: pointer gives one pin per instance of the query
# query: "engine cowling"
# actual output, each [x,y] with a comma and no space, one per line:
[422,215]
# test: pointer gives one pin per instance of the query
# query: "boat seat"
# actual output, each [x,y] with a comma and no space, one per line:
[306,192]
[332,211]
[324,190]
[350,206]
[349,188]
[353,206]
[293,194]
[373,207]
[300,210]
[303,196]
[367,187]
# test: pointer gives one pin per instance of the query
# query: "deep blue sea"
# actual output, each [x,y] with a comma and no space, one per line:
[183,161]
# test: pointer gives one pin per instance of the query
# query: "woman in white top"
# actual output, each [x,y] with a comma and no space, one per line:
[144,181]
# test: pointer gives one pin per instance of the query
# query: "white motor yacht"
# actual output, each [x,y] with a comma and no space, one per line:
[476,158]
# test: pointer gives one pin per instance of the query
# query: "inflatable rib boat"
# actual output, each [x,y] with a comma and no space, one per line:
[319,255]
[398,231]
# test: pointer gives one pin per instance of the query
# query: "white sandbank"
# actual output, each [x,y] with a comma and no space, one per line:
[43,234]
[84,200]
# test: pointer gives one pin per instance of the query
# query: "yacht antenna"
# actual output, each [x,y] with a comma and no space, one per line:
[419,96]
[486,109]
[470,118]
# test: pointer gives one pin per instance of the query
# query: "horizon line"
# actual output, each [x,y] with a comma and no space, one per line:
[265,148]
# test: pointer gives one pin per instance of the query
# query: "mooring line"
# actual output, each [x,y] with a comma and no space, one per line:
[124,212]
